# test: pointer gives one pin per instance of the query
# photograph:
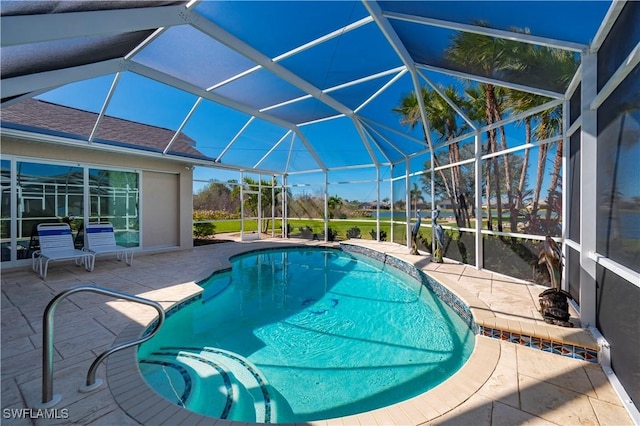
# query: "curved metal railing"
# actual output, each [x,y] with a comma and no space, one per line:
[48,399]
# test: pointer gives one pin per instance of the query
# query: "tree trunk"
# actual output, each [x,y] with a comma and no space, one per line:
[487,191]
[542,159]
[460,193]
[455,177]
[491,114]
[444,179]
[525,164]
[455,184]
[496,172]
[555,176]
[513,214]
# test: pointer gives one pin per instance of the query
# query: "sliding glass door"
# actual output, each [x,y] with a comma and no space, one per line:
[47,192]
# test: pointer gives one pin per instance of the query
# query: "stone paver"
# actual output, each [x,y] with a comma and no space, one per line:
[523,385]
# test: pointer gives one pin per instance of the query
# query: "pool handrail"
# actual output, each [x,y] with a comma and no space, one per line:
[48,399]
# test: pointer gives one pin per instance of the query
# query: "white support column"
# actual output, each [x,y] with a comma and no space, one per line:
[13,209]
[566,184]
[408,202]
[241,205]
[273,206]
[392,204]
[259,206]
[326,206]
[433,199]
[86,202]
[285,207]
[378,203]
[478,207]
[588,197]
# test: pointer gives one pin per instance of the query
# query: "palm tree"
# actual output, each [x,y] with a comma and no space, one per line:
[555,177]
[513,216]
[333,203]
[491,57]
[519,102]
[562,66]
[476,105]
[553,68]
[442,119]
[266,199]
[416,195]
[409,110]
[549,126]
[485,56]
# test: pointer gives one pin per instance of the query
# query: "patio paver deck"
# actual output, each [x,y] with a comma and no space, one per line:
[516,385]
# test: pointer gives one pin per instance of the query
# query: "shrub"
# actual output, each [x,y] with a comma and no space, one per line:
[202,229]
[383,235]
[332,234]
[353,232]
[306,232]
[517,257]
[214,215]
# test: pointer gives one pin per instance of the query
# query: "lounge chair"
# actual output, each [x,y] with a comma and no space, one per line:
[56,243]
[101,239]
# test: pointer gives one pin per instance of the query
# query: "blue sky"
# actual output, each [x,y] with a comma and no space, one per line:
[277,28]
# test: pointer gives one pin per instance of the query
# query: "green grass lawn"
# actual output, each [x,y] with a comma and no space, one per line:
[317,227]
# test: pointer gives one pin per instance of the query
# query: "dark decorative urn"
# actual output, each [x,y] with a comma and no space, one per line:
[554,305]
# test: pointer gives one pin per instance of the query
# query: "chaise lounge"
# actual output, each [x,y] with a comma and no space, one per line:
[56,243]
[101,239]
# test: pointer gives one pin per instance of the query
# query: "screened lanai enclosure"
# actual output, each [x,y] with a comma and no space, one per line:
[330,120]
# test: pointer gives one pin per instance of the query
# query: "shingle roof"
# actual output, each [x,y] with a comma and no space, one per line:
[74,123]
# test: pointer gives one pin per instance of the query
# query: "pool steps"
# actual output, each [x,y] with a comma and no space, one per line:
[228,378]
[158,370]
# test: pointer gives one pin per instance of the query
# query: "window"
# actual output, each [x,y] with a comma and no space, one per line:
[115,198]
[5,215]
[48,192]
[618,214]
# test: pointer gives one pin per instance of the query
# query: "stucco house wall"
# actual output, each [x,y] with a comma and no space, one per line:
[166,186]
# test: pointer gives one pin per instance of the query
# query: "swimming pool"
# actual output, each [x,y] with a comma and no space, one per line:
[305,334]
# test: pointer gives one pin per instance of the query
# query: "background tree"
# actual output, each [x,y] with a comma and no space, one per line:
[478,111]
[487,104]
[269,197]
[416,196]
[519,102]
[442,118]
[485,56]
[334,203]
[216,196]
[444,121]
[513,61]
[554,69]
[550,125]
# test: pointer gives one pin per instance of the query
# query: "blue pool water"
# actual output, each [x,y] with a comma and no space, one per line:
[304,334]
